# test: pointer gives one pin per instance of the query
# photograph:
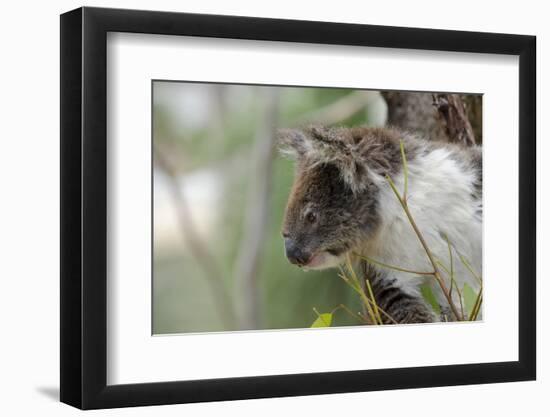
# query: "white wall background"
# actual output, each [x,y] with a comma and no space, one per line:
[29,226]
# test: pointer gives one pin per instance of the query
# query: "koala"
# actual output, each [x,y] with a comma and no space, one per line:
[341,204]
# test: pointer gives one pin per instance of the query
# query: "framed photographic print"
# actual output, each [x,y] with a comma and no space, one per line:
[257,207]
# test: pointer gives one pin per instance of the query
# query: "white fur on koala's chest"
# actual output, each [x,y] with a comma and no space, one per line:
[440,200]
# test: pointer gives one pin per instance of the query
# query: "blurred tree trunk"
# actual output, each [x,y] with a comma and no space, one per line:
[473,104]
[256,216]
[447,117]
[199,248]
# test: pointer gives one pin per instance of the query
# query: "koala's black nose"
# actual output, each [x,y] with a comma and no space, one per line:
[295,254]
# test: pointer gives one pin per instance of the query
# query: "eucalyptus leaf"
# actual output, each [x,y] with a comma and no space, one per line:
[429,297]
[470,297]
[324,320]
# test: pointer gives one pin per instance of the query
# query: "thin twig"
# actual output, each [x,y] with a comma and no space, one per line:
[390,318]
[477,305]
[397,268]
[364,266]
[469,267]
[457,289]
[405,171]
[375,306]
[452,275]
[450,264]
[347,310]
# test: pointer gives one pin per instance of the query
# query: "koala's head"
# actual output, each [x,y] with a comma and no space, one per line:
[333,205]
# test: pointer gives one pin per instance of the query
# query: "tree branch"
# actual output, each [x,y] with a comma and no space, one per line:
[452,112]
[439,116]
[414,111]
[339,110]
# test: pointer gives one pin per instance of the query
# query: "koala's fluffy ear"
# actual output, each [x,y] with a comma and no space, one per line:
[322,145]
[292,142]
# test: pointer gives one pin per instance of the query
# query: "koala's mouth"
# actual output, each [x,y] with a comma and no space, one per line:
[316,260]
[324,258]
[336,251]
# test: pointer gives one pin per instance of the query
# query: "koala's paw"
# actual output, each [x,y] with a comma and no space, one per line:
[410,310]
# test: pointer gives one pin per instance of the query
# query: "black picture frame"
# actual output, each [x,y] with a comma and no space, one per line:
[84,207]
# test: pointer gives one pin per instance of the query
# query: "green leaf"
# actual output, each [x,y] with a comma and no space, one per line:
[470,297]
[429,296]
[324,320]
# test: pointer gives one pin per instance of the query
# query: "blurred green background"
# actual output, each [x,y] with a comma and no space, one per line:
[220,189]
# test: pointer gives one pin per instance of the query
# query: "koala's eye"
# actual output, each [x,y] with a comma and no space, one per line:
[311,217]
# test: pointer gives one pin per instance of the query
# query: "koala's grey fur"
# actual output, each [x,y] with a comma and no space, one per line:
[341,204]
